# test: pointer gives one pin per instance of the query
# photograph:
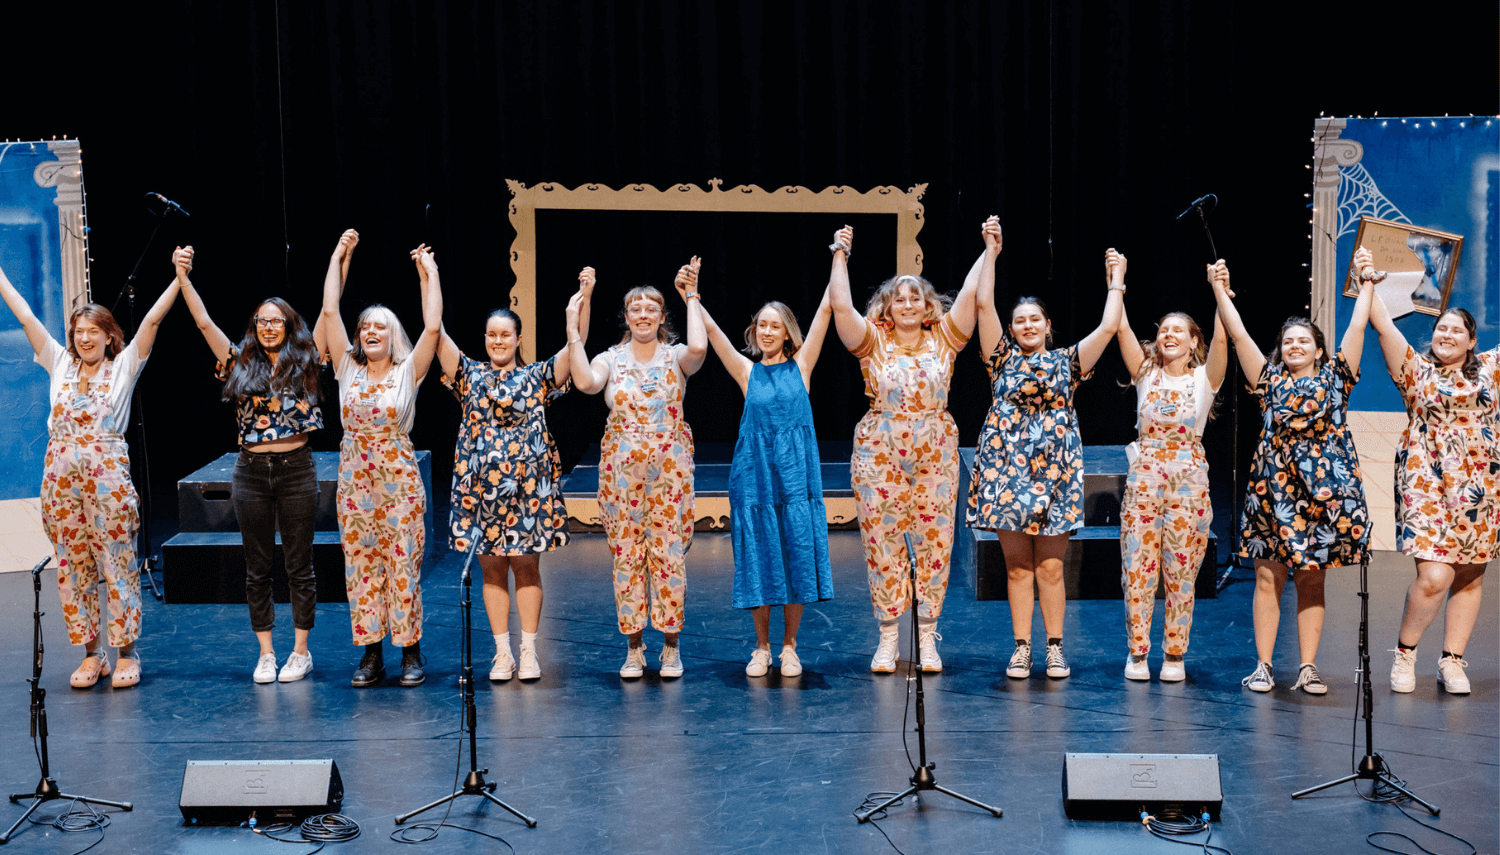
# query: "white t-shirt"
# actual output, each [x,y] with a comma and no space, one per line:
[1195,382]
[400,394]
[124,370]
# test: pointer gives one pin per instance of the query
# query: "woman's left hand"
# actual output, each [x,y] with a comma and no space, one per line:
[687,278]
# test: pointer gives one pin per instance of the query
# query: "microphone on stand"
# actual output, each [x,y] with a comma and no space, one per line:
[169,203]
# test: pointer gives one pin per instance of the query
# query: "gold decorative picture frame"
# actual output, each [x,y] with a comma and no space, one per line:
[1405,248]
[905,205]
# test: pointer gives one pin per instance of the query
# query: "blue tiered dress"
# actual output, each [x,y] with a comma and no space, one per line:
[780,527]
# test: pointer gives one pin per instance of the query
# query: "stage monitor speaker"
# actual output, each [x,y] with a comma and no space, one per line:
[216,791]
[1120,786]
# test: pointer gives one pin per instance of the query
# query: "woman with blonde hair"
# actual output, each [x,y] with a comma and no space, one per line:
[905,464]
[646,461]
[90,511]
[382,503]
[1165,514]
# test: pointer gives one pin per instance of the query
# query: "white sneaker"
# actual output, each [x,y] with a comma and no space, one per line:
[1057,663]
[265,668]
[1404,670]
[1172,671]
[791,665]
[671,660]
[1261,680]
[886,653]
[530,668]
[1451,675]
[635,662]
[760,663]
[1136,669]
[503,666]
[927,641]
[297,666]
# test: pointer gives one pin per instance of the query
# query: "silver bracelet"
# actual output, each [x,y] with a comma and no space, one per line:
[1117,288]
[574,340]
[836,246]
[690,295]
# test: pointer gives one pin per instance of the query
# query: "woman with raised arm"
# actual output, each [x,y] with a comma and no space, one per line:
[905,464]
[89,507]
[1447,480]
[272,378]
[778,521]
[646,461]
[1305,503]
[382,503]
[1027,484]
[1165,514]
[507,477]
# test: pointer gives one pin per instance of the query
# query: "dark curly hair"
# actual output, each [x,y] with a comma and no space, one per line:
[1471,362]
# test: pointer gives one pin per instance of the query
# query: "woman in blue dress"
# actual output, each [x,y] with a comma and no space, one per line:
[779,524]
[1027,485]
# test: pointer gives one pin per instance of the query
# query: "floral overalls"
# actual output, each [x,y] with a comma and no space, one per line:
[90,511]
[646,488]
[905,467]
[382,507]
[1165,515]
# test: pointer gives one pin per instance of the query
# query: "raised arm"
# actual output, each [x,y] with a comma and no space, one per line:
[329,333]
[217,341]
[588,377]
[1251,359]
[735,362]
[447,351]
[577,311]
[696,350]
[812,343]
[1353,343]
[145,334]
[851,325]
[426,347]
[990,327]
[1130,346]
[1218,354]
[1393,344]
[962,311]
[1092,346]
[36,334]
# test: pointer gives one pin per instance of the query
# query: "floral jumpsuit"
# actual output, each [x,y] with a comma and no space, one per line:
[382,507]
[1165,515]
[646,488]
[905,466]
[89,507]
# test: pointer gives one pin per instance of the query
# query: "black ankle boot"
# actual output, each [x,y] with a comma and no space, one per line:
[371,670]
[411,665]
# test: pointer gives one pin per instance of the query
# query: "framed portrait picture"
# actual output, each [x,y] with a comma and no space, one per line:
[1420,264]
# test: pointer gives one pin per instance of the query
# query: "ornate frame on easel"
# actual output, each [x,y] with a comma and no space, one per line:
[905,205]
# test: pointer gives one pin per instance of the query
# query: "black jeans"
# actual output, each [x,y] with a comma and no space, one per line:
[270,490]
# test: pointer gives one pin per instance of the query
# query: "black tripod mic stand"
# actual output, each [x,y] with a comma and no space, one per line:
[47,790]
[1371,767]
[474,784]
[922,779]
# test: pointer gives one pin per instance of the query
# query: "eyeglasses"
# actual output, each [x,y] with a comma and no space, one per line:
[270,323]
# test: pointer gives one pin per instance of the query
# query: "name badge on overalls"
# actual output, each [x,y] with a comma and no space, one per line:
[1167,408]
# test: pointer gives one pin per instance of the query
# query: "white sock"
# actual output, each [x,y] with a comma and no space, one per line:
[890,627]
[502,642]
[528,640]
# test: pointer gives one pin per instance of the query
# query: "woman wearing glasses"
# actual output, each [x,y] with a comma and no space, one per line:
[271,375]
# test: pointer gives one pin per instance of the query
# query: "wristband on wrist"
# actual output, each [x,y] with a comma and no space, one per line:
[837,245]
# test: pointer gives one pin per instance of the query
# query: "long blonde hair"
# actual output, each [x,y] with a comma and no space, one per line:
[400,344]
[1152,356]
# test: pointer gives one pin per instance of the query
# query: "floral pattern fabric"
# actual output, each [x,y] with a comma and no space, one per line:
[264,418]
[506,471]
[1165,515]
[905,466]
[1448,466]
[1305,505]
[646,489]
[382,507]
[1028,466]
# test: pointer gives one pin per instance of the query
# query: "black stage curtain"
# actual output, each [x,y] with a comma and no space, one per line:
[1083,125]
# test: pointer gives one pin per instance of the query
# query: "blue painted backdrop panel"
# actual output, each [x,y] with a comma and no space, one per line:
[1443,174]
[30,255]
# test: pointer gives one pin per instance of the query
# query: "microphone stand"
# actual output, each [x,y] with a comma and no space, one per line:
[474,784]
[1372,766]
[46,790]
[138,409]
[922,779]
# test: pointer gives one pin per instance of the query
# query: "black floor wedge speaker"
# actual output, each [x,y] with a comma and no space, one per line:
[1120,786]
[220,791]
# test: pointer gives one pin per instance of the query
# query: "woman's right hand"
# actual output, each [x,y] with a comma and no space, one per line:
[347,242]
[993,237]
[575,303]
[182,260]
[1364,262]
[844,237]
[1114,268]
[1218,276]
[586,279]
[423,257]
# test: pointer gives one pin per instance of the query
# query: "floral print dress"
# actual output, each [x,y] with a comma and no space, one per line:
[1448,466]
[1028,467]
[1305,505]
[507,476]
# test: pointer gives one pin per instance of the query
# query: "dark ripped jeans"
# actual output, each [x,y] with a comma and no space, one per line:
[270,489]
